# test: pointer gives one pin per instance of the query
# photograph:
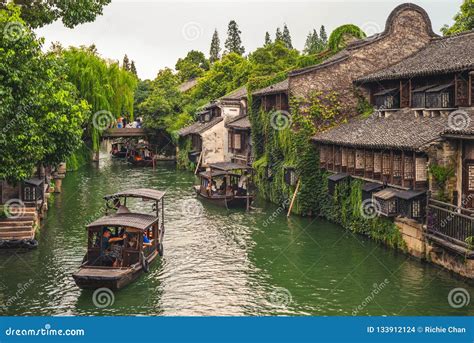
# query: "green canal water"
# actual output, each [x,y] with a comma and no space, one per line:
[219,262]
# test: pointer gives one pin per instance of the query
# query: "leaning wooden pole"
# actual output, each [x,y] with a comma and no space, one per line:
[294,198]
[198,164]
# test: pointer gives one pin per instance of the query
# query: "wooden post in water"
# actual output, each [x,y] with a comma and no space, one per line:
[294,198]
[199,162]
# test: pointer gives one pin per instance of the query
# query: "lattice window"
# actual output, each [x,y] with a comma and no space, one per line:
[322,154]
[369,161]
[344,157]
[387,168]
[421,170]
[377,162]
[445,100]
[359,159]
[337,157]
[397,165]
[350,159]
[409,166]
[237,141]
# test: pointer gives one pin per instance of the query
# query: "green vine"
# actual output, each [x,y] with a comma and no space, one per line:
[182,159]
[441,175]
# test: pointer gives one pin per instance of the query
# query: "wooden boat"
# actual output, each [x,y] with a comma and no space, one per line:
[220,185]
[119,149]
[116,261]
[141,156]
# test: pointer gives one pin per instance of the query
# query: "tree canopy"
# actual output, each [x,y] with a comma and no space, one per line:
[41,114]
[192,66]
[233,43]
[38,13]
[215,50]
[463,20]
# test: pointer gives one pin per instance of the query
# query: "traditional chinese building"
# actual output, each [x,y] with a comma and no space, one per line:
[209,135]
[274,97]
[417,144]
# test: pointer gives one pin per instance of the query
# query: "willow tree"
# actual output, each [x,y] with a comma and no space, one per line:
[41,116]
[107,88]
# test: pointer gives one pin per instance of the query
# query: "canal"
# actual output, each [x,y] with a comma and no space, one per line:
[219,262]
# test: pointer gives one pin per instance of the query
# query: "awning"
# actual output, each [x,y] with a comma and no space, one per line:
[439,88]
[338,177]
[371,186]
[387,193]
[134,220]
[138,193]
[424,88]
[34,182]
[387,91]
[408,195]
[228,166]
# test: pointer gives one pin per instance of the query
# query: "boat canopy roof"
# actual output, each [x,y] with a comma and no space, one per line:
[137,221]
[145,193]
[217,173]
[228,166]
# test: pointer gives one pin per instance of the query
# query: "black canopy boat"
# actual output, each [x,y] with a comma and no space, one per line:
[226,184]
[119,148]
[123,244]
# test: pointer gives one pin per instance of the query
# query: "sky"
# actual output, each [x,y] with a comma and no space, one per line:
[155,33]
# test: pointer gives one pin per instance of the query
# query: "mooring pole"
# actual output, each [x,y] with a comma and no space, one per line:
[294,198]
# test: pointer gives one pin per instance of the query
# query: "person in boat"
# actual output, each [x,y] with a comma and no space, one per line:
[146,240]
[243,183]
[110,255]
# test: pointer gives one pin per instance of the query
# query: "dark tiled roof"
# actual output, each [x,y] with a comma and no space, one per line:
[461,123]
[440,56]
[279,87]
[227,166]
[198,127]
[357,44]
[402,130]
[237,94]
[239,122]
[135,220]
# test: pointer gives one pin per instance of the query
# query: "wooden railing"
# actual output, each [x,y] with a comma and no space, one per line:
[450,222]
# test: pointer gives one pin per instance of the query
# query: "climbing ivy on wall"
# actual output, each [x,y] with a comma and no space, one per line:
[182,159]
[345,209]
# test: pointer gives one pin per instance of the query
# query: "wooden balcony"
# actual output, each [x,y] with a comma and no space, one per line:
[451,227]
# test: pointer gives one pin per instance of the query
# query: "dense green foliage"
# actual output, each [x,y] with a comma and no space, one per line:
[316,43]
[37,13]
[40,113]
[286,37]
[343,35]
[192,66]
[108,88]
[463,20]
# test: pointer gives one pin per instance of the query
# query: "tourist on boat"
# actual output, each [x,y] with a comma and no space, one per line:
[110,256]
[120,208]
[146,240]
[120,122]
